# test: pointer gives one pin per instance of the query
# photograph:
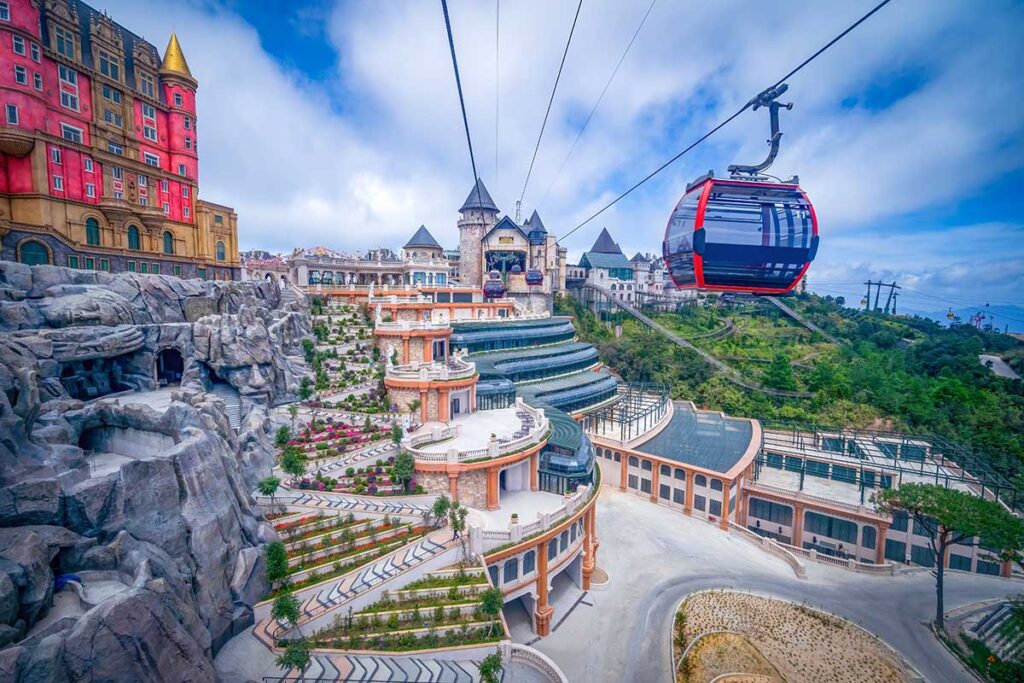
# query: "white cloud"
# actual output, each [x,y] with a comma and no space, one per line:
[301,173]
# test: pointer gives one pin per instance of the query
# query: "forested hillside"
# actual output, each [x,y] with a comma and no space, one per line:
[905,373]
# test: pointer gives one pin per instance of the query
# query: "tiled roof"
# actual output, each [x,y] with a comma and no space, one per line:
[422,238]
[479,198]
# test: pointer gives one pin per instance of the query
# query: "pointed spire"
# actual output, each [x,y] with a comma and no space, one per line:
[479,198]
[422,238]
[174,63]
[605,244]
[535,223]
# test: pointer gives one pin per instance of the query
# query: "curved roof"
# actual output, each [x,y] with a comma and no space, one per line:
[479,198]
[702,438]
[422,238]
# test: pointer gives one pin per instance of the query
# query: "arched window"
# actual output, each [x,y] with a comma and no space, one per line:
[133,238]
[220,251]
[529,562]
[716,485]
[700,480]
[168,242]
[33,253]
[92,232]
[665,471]
[634,461]
[645,465]
[511,570]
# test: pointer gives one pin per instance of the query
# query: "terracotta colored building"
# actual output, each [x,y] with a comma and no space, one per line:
[99,149]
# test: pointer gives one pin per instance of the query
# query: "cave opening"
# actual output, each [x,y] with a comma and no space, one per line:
[169,367]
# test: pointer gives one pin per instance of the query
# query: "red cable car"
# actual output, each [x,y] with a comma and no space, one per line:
[744,234]
[494,288]
[534,277]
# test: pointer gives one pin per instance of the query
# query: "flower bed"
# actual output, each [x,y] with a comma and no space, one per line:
[313,557]
[285,527]
[409,534]
[338,523]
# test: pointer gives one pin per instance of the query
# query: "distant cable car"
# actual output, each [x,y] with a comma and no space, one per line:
[747,233]
[516,269]
[534,277]
[950,314]
[494,288]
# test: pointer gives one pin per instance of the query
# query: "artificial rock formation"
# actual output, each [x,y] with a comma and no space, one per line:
[98,479]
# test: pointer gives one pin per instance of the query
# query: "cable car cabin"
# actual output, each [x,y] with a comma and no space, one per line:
[534,277]
[741,236]
[494,288]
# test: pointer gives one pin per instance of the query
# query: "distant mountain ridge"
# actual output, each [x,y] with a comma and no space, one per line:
[1005,317]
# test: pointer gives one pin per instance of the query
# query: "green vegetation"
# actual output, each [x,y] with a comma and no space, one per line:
[491,668]
[276,565]
[283,436]
[295,656]
[951,516]
[891,372]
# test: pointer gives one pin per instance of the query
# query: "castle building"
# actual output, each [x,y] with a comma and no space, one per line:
[606,266]
[99,149]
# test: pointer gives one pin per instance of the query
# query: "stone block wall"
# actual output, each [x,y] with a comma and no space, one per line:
[473,489]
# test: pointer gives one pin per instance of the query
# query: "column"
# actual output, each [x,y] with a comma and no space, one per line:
[428,349]
[655,475]
[534,464]
[405,350]
[623,462]
[1006,569]
[471,408]
[723,523]
[743,501]
[453,485]
[423,405]
[543,610]
[798,525]
[588,548]
[492,488]
[688,505]
[883,530]
[443,405]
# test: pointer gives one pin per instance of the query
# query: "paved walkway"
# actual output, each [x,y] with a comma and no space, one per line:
[655,556]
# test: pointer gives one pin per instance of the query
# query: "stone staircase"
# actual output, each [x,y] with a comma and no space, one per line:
[369,668]
[232,402]
[334,501]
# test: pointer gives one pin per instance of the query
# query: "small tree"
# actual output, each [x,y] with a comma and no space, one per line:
[286,608]
[396,433]
[293,412]
[404,467]
[780,373]
[439,510]
[295,656]
[305,389]
[276,562]
[952,516]
[283,436]
[268,487]
[491,602]
[414,406]
[293,462]
[491,668]
[457,518]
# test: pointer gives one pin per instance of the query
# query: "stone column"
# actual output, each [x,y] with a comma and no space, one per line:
[492,488]
[724,521]
[453,485]
[798,525]
[405,350]
[423,405]
[588,548]
[534,464]
[655,479]
[883,530]
[428,349]
[543,610]
[688,504]
[624,471]
[471,408]
[442,405]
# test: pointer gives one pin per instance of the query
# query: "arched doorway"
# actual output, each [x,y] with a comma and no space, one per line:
[169,367]
[33,253]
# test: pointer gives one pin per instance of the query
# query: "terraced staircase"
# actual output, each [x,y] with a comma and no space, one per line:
[232,402]
[377,669]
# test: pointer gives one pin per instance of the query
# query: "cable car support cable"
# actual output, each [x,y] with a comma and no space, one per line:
[462,101]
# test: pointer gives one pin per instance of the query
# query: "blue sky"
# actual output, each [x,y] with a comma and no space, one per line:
[337,123]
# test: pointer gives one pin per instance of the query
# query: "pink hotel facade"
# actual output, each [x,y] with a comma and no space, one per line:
[99,149]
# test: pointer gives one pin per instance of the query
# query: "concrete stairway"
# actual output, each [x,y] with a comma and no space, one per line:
[369,668]
[232,402]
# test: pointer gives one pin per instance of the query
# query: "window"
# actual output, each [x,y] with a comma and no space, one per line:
[90,190]
[35,52]
[149,132]
[111,94]
[72,261]
[700,480]
[181,169]
[867,537]
[144,268]
[21,75]
[146,84]
[833,527]
[155,269]
[5,11]
[167,207]
[104,264]
[645,485]
[68,87]
[632,481]
[715,508]
[143,181]
[92,232]
[151,159]
[133,238]
[149,111]
[188,142]
[163,186]
[700,503]
[37,81]
[109,66]
[88,164]
[510,572]
[679,474]
[177,99]
[201,273]
[55,155]
[220,251]
[186,212]
[118,194]
[922,556]
[143,200]
[771,512]
[177,271]
[716,484]
[991,568]
[188,123]
[58,183]
[115,148]
[218,219]
[116,172]
[65,42]
[184,191]
[168,242]
[33,253]
[18,45]
[113,118]
[131,266]
[529,562]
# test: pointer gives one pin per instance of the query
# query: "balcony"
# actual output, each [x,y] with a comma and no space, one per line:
[409,326]
[475,437]
[438,371]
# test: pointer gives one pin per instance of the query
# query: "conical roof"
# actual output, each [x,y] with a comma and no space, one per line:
[422,238]
[535,223]
[479,198]
[605,244]
[174,60]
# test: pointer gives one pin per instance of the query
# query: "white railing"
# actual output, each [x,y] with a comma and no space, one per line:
[887,568]
[483,540]
[800,495]
[774,547]
[454,368]
[408,298]
[538,661]
[406,325]
[496,448]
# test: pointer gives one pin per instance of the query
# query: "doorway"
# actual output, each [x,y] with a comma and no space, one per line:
[169,367]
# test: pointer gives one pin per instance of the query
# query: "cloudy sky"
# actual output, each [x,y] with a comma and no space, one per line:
[337,123]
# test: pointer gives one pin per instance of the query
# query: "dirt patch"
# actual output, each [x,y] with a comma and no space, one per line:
[727,653]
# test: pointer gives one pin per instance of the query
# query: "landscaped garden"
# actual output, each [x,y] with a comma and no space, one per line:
[773,640]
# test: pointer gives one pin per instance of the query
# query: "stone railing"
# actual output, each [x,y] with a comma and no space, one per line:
[409,325]
[494,449]
[772,546]
[800,495]
[452,369]
[484,540]
[538,661]
[411,297]
[885,569]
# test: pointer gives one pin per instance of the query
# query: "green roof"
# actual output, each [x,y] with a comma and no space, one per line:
[597,259]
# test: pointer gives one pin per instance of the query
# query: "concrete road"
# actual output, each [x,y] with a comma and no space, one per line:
[655,556]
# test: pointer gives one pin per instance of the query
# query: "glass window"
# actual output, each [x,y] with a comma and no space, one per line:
[700,480]
[177,271]
[111,94]
[664,491]
[151,159]
[510,572]
[716,485]
[110,66]
[149,132]
[72,134]
[553,548]
[679,473]
[155,269]
[90,190]
[115,148]
[33,253]
[220,251]
[201,273]
[65,42]
[563,541]
[21,75]
[72,261]
[146,84]
[188,142]
[55,155]
[18,44]
[922,556]
[58,183]
[188,123]
[899,520]
[832,527]
[700,503]
[990,568]
[867,535]
[35,52]
[645,485]
[37,81]
[113,118]
[177,99]
[133,238]
[895,550]
[90,263]
[168,242]
[715,507]
[959,562]
[5,11]
[181,172]
[131,266]
[116,172]
[678,496]
[92,232]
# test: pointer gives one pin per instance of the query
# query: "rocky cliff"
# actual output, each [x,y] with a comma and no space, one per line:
[129,543]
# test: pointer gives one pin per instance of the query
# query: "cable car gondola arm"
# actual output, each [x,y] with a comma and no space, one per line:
[766,99]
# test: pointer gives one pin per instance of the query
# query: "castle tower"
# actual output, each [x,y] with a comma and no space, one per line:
[478,216]
[179,88]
